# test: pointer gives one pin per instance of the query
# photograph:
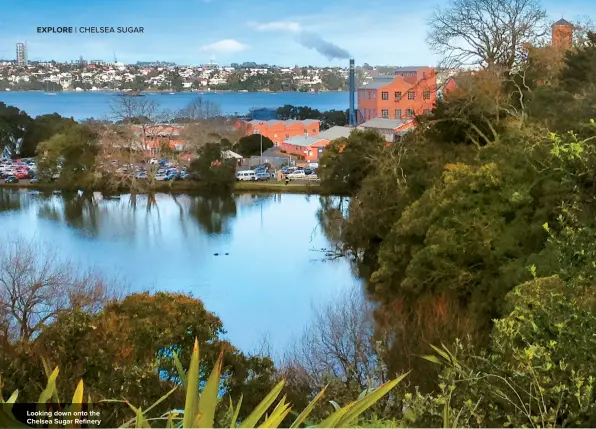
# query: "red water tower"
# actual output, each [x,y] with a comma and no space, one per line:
[562,34]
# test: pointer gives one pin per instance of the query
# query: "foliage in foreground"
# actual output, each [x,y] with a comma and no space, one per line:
[200,408]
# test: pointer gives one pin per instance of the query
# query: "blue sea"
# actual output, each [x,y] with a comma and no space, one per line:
[84,105]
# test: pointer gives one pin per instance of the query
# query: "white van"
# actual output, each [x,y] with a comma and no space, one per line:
[247,175]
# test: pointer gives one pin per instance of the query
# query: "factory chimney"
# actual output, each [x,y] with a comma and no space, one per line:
[352,111]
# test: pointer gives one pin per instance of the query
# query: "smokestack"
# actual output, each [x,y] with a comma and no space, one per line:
[352,112]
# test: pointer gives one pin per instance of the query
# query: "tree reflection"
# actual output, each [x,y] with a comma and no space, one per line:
[213,213]
[81,213]
[10,200]
[332,216]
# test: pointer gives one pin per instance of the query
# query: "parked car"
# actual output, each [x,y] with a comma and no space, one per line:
[11,179]
[192,176]
[160,176]
[287,170]
[141,175]
[298,174]
[246,176]
[34,180]
[21,175]
[262,176]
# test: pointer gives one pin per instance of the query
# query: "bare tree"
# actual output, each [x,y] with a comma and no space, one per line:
[138,127]
[340,344]
[204,124]
[582,25]
[486,33]
[142,113]
[36,285]
[199,109]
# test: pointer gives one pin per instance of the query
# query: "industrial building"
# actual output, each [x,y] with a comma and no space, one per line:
[22,59]
[410,92]
[278,131]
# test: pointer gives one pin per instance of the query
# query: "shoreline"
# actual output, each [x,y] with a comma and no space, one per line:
[178,187]
[169,92]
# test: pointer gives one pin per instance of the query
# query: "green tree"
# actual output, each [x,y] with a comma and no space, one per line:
[251,145]
[127,351]
[13,126]
[72,154]
[347,161]
[43,128]
[215,173]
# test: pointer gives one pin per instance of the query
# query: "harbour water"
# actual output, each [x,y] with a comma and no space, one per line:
[263,283]
[84,105]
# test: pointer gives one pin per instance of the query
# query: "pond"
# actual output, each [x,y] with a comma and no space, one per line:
[268,273]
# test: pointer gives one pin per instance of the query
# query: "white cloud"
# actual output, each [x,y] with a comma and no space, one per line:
[290,26]
[227,46]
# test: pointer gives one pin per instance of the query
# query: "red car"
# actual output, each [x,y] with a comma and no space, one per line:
[21,175]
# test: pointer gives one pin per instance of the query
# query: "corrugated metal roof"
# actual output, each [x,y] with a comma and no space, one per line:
[378,82]
[291,121]
[563,22]
[272,122]
[335,133]
[409,69]
[310,121]
[302,141]
[255,122]
[384,123]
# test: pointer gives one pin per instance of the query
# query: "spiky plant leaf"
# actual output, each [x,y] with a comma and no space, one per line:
[141,422]
[331,421]
[305,413]
[369,400]
[277,416]
[50,387]
[48,372]
[261,409]
[208,400]
[77,400]
[13,397]
[234,419]
[191,405]
[180,369]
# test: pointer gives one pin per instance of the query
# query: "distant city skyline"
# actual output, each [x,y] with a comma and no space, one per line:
[231,31]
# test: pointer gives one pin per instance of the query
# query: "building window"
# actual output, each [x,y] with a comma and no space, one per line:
[426,95]
[397,95]
[397,113]
[384,95]
[409,113]
[385,113]
[411,95]
[427,111]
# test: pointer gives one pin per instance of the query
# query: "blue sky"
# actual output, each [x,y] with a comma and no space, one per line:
[264,31]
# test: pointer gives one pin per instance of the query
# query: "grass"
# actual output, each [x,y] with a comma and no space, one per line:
[182,186]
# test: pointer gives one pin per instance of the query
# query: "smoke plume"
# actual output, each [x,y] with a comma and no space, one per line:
[325,48]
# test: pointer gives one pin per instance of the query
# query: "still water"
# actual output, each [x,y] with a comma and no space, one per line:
[266,286]
[84,105]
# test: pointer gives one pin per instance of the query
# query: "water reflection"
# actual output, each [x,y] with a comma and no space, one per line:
[214,214]
[262,283]
[9,200]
